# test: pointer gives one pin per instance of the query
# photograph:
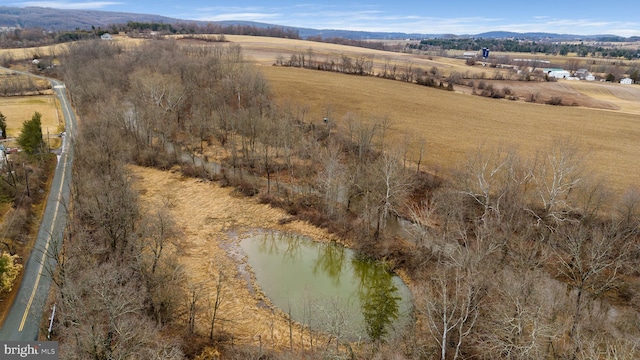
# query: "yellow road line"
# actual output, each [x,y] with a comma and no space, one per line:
[46,248]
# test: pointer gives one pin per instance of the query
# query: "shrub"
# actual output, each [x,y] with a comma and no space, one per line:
[9,270]
[246,188]
[153,157]
[556,100]
[497,94]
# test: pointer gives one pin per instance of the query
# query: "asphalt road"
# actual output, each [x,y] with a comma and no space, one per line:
[27,311]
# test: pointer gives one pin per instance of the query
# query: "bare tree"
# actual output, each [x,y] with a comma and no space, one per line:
[497,181]
[589,259]
[558,171]
[519,319]
[452,310]
[331,177]
[215,301]
[394,187]
[193,297]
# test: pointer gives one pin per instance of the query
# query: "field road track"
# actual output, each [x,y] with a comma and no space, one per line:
[23,321]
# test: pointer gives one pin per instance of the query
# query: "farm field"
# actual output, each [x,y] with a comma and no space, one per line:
[455,125]
[19,109]
[605,120]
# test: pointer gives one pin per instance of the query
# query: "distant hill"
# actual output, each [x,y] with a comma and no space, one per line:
[537,35]
[57,19]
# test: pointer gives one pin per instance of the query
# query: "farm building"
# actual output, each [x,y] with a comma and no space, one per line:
[626,81]
[106,36]
[590,77]
[557,73]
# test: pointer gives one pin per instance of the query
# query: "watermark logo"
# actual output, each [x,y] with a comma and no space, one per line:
[35,350]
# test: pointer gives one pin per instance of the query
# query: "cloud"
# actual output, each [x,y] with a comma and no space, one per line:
[372,17]
[69,5]
[244,16]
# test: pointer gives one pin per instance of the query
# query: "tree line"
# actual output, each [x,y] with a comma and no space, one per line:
[33,37]
[528,46]
[368,44]
[510,256]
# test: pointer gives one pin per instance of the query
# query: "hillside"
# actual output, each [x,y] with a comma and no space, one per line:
[59,19]
[56,19]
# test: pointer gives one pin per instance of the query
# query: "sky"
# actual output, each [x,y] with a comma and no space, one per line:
[459,17]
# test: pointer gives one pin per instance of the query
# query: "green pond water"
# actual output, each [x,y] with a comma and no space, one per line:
[327,287]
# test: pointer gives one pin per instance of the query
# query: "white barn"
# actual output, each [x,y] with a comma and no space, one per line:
[558,73]
[626,81]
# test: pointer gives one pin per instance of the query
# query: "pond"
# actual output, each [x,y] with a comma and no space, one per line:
[328,287]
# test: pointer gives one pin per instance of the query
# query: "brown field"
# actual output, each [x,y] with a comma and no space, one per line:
[11,77]
[19,109]
[607,124]
[265,51]
[454,124]
[30,53]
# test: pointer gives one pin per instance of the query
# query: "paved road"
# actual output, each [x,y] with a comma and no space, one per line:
[23,321]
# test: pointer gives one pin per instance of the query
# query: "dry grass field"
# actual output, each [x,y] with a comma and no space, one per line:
[265,51]
[19,109]
[454,125]
[607,124]
[25,54]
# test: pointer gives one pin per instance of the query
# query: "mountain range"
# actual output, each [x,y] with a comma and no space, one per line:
[58,19]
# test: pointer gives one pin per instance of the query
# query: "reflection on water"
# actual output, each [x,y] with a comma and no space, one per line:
[330,261]
[379,298]
[327,287]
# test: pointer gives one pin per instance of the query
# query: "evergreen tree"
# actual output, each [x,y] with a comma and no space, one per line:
[30,138]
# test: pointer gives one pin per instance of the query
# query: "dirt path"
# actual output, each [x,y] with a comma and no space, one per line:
[209,218]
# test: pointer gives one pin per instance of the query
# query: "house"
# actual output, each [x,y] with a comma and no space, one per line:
[626,81]
[106,36]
